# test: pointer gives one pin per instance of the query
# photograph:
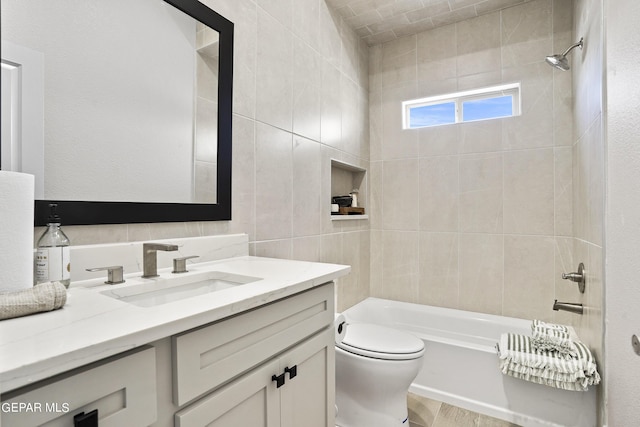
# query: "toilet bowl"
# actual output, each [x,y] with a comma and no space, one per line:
[375,366]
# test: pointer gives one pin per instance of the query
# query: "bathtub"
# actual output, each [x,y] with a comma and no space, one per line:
[461,365]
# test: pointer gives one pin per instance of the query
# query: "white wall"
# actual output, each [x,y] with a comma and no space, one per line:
[622,300]
[475,216]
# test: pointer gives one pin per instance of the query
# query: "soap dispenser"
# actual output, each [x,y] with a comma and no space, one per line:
[53,260]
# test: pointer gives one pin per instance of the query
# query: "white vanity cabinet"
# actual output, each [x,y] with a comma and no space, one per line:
[273,366]
[122,388]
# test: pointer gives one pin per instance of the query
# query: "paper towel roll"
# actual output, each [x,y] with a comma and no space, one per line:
[16,230]
[340,325]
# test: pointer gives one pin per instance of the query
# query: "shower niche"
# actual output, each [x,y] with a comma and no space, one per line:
[347,179]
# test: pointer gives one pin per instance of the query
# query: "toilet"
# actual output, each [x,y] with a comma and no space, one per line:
[375,366]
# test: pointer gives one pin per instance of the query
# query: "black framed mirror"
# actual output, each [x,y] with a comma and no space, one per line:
[114,211]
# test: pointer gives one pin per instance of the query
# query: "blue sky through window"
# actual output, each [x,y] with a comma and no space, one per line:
[488,108]
[465,106]
[432,115]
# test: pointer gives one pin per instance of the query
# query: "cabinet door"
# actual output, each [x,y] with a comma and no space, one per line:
[210,356]
[308,399]
[122,388]
[252,401]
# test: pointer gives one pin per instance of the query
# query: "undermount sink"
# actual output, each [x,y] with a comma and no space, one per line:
[165,290]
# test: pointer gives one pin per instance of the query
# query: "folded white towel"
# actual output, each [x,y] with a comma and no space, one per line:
[555,326]
[520,359]
[43,297]
[551,336]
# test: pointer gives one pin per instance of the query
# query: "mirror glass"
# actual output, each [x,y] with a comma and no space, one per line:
[136,105]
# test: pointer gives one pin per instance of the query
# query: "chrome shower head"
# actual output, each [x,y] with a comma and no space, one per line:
[559,61]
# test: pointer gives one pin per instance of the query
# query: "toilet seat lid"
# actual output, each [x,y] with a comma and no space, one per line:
[381,342]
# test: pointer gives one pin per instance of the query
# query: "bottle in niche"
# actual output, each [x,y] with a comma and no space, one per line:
[53,261]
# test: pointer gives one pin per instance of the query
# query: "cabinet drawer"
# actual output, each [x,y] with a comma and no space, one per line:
[208,357]
[121,388]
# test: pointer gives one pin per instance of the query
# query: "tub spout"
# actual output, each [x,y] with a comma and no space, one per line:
[568,306]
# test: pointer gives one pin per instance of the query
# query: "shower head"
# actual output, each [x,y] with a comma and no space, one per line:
[559,61]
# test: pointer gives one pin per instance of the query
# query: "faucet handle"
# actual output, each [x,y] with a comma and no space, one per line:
[114,274]
[180,264]
[578,277]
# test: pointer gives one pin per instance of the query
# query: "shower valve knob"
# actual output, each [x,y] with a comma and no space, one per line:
[574,277]
[578,277]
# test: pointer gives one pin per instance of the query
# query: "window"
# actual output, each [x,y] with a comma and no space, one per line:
[468,106]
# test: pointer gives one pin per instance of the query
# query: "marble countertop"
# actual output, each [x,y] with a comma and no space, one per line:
[92,326]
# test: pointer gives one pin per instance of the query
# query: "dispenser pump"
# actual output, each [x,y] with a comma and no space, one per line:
[53,260]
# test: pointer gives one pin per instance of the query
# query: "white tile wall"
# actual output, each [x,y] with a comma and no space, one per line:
[495,198]
[588,146]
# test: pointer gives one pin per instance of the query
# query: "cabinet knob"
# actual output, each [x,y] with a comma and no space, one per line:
[293,371]
[279,379]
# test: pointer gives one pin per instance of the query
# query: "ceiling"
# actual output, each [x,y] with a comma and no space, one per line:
[380,21]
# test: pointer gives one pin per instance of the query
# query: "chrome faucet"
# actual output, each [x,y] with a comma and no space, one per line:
[150,259]
[568,306]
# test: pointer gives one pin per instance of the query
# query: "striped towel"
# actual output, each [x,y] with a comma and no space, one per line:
[520,359]
[554,337]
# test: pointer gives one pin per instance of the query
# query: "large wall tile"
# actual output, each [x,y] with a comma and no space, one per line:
[439,274]
[307,84]
[563,191]
[281,10]
[481,259]
[274,72]
[376,180]
[481,193]
[400,265]
[593,181]
[529,192]
[399,62]
[397,142]
[243,182]
[351,120]
[306,22]
[478,45]
[400,195]
[481,137]
[529,287]
[436,54]
[307,201]
[534,127]
[527,33]
[438,193]
[376,279]
[439,140]
[274,183]
[331,101]
[330,30]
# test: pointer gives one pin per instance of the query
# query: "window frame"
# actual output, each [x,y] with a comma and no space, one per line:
[459,98]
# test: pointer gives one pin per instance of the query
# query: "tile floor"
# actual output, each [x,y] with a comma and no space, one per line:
[425,412]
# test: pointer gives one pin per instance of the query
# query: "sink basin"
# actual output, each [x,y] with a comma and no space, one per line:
[163,291]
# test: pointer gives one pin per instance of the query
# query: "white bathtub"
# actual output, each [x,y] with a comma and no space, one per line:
[461,365]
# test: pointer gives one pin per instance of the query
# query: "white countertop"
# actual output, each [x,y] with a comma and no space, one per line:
[92,326]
